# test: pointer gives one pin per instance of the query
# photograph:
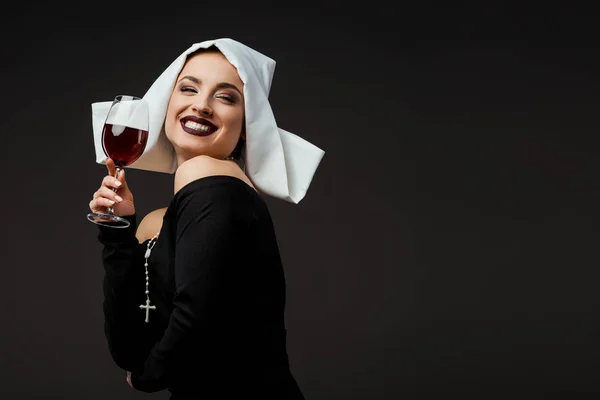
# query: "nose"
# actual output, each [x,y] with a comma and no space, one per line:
[201,106]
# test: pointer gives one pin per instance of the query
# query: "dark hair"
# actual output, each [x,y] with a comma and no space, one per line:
[239,147]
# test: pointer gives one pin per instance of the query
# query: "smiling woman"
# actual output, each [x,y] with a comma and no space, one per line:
[194,297]
[207,102]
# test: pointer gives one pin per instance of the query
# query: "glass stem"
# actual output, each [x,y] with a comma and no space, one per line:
[117,171]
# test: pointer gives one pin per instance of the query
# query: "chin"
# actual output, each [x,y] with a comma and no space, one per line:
[192,152]
[188,142]
[191,145]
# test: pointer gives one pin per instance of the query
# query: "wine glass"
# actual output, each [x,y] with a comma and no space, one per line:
[124,139]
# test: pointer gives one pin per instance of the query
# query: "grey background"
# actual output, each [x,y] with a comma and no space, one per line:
[448,243]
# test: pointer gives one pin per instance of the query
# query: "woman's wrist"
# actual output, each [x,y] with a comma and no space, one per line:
[109,234]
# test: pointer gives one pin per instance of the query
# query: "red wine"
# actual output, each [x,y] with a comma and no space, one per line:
[123,144]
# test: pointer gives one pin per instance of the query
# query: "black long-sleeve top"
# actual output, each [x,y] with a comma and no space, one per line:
[217,281]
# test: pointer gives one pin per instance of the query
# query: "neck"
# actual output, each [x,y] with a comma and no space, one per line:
[181,159]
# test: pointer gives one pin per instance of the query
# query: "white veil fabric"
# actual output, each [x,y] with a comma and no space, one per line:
[279,163]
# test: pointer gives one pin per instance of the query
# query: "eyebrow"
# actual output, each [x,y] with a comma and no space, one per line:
[221,85]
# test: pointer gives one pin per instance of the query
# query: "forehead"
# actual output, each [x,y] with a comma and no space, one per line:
[212,66]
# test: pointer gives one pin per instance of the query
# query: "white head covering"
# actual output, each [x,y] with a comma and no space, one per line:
[278,163]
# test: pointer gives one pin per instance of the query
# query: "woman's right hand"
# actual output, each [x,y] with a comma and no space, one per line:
[121,201]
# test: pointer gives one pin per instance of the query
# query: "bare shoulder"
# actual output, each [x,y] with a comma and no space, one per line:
[203,166]
[150,224]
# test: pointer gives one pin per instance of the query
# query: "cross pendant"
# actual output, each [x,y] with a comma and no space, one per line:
[148,307]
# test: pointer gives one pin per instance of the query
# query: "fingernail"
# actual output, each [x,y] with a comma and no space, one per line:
[117,183]
[118,198]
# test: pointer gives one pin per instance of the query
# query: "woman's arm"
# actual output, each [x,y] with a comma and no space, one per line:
[211,225]
[128,336]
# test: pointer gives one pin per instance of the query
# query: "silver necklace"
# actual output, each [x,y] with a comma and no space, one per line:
[147,306]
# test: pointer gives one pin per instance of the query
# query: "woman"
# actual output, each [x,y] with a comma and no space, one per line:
[194,297]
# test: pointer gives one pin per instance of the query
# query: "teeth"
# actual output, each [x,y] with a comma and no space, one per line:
[196,126]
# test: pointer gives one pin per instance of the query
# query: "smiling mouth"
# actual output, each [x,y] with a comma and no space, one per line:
[198,126]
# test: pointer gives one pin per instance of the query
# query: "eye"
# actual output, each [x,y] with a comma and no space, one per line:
[188,89]
[229,99]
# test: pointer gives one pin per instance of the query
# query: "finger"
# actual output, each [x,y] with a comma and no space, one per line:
[100,203]
[121,177]
[107,193]
[110,165]
[111,182]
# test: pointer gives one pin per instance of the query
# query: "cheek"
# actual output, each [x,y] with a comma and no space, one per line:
[235,121]
[172,108]
[170,121]
[176,104]
[171,115]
